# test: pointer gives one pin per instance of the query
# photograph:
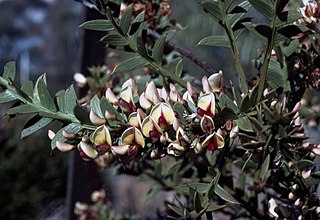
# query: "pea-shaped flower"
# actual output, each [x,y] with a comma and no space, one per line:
[151,129]
[213,141]
[207,124]
[130,142]
[206,104]
[87,152]
[216,81]
[179,145]
[163,114]
[136,118]
[101,138]
[126,99]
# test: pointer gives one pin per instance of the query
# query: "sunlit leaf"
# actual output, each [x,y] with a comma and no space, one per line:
[97,25]
[244,124]
[125,20]
[61,102]
[223,194]
[95,106]
[265,167]
[9,71]
[215,41]
[70,100]
[157,50]
[35,127]
[114,40]
[7,96]
[44,96]
[213,9]
[23,109]
[27,87]
[130,64]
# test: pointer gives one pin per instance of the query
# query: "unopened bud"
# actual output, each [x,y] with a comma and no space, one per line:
[306,174]
[95,119]
[68,135]
[298,203]
[292,196]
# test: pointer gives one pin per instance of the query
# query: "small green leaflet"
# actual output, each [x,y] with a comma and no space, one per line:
[23,109]
[130,64]
[215,41]
[223,194]
[7,96]
[265,167]
[9,71]
[97,25]
[157,50]
[37,126]
[125,20]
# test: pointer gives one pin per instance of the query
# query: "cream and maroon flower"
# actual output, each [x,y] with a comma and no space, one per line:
[101,138]
[126,99]
[206,104]
[132,84]
[163,114]
[130,142]
[151,129]
[87,152]
[64,147]
[136,118]
[213,142]
[207,124]
[174,94]
[179,145]
[151,93]
[310,13]
[216,81]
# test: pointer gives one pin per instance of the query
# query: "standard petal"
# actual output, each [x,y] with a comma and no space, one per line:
[144,102]
[110,96]
[126,94]
[101,136]
[215,81]
[95,119]
[139,139]
[127,136]
[64,147]
[207,103]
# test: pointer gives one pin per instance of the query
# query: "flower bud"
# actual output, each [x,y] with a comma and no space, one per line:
[64,147]
[95,119]
[80,79]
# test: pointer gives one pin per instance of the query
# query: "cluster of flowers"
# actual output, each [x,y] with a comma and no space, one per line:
[310,13]
[151,118]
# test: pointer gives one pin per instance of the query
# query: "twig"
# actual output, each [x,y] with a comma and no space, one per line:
[153,34]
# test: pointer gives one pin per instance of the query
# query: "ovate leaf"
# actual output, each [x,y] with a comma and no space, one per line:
[130,64]
[179,68]
[27,87]
[70,100]
[265,167]
[23,109]
[215,41]
[213,9]
[157,50]
[9,71]
[35,127]
[244,124]
[60,97]
[223,194]
[125,20]
[97,25]
[95,106]
[114,40]
[44,96]
[7,96]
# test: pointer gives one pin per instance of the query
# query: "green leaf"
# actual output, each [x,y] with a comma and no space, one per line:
[305,112]
[251,27]
[70,100]
[95,106]
[214,207]
[291,48]
[226,101]
[97,25]
[179,68]
[184,188]
[223,194]
[105,105]
[277,76]
[7,96]
[44,96]
[27,87]
[303,164]
[157,50]
[265,167]
[114,40]
[61,101]
[59,137]
[245,104]
[287,17]
[23,109]
[197,202]
[244,124]
[9,71]
[125,20]
[213,9]
[139,18]
[81,113]
[262,7]
[35,127]
[215,41]
[252,145]
[130,64]
[176,209]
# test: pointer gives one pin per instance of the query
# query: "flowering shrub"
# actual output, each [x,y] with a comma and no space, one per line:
[238,149]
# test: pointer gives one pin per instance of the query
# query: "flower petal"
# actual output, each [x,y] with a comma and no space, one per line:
[207,124]
[139,139]
[127,136]
[144,102]
[110,96]
[95,119]
[88,150]
[207,103]
[175,149]
[101,136]
[120,150]
[215,81]
[64,147]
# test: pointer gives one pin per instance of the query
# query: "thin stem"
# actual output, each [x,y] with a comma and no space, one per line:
[267,56]
[235,53]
